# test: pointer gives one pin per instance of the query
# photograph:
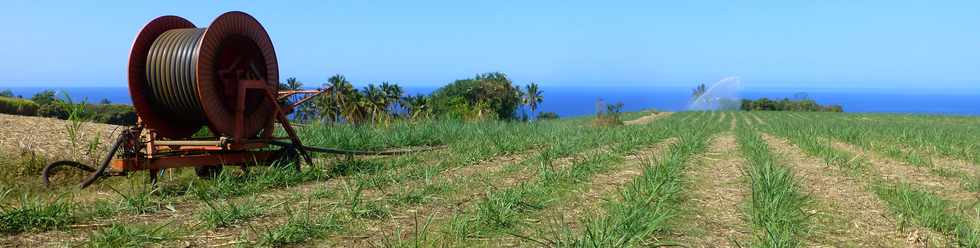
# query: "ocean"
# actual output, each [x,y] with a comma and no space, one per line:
[578,101]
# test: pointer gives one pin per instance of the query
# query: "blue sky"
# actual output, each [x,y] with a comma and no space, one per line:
[778,44]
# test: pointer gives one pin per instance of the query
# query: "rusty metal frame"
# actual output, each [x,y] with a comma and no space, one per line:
[190,160]
[219,151]
[309,95]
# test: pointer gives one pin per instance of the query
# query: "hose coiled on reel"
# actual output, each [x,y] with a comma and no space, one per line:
[171,73]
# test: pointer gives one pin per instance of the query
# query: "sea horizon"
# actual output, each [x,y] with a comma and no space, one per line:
[571,101]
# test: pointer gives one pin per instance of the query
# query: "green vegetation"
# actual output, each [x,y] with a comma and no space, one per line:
[648,202]
[777,210]
[47,104]
[300,226]
[608,114]
[547,116]
[485,96]
[786,104]
[17,106]
[130,236]
[699,91]
[498,182]
[35,214]
[908,200]
[931,211]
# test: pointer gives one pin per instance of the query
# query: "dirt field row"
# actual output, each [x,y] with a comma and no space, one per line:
[555,194]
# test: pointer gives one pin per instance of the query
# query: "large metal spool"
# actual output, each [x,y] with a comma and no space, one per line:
[182,78]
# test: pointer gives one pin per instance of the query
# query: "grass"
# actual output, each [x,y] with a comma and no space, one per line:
[342,196]
[228,213]
[139,201]
[17,106]
[644,205]
[931,211]
[505,209]
[35,214]
[118,235]
[777,205]
[904,199]
[300,226]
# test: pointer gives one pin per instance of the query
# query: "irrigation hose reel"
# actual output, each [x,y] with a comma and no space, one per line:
[182,79]
[223,77]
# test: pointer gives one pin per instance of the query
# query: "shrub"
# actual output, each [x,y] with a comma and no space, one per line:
[44,97]
[46,104]
[53,110]
[17,106]
[608,115]
[547,116]
[35,214]
[788,105]
[489,95]
[116,114]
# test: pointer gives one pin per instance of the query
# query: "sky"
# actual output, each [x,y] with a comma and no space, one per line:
[832,44]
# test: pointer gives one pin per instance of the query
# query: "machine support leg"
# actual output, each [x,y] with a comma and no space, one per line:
[154,176]
[297,144]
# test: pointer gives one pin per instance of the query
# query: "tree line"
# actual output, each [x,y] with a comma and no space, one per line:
[482,97]
[485,96]
[788,105]
[47,104]
[801,102]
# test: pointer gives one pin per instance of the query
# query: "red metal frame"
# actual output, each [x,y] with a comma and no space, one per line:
[193,160]
[238,150]
[310,94]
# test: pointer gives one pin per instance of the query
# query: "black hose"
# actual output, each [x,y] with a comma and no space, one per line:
[50,168]
[123,137]
[95,173]
[171,73]
[357,152]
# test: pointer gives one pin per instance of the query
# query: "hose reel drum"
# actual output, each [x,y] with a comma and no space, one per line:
[223,77]
[182,77]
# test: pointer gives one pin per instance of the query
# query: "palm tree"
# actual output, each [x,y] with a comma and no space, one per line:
[417,105]
[533,96]
[291,84]
[377,101]
[336,105]
[522,101]
[698,91]
[357,107]
[393,93]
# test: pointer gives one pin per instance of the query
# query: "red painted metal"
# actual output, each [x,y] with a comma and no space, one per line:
[239,150]
[163,125]
[237,82]
[191,160]
[309,95]
[236,47]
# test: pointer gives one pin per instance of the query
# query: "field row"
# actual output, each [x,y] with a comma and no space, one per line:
[691,178]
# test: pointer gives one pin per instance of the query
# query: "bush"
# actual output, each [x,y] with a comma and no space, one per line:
[44,97]
[116,114]
[53,110]
[547,116]
[609,115]
[45,104]
[17,106]
[788,105]
[486,96]
[34,214]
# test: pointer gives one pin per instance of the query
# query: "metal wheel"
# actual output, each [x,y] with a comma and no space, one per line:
[208,172]
[289,157]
